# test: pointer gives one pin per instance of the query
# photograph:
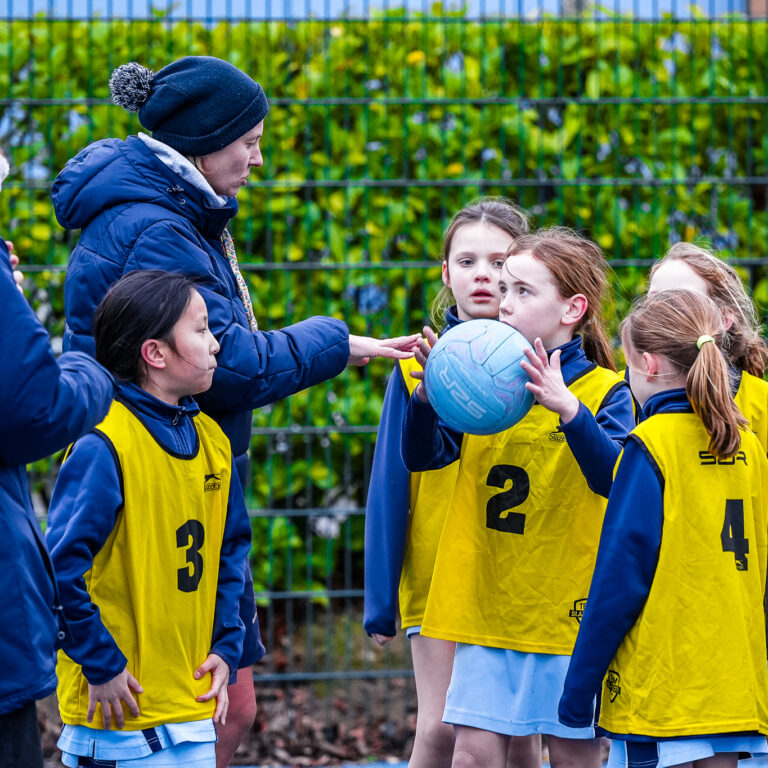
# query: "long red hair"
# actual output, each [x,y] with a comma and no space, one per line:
[578,266]
[743,343]
[670,323]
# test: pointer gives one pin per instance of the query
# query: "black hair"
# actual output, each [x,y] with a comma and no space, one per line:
[141,305]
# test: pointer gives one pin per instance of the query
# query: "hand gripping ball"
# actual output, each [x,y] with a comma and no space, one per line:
[474,379]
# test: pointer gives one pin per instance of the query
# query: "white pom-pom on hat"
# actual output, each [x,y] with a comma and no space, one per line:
[130,85]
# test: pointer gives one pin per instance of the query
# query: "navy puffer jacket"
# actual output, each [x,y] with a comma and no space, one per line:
[136,213]
[47,403]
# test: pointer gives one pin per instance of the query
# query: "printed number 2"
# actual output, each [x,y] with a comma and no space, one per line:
[497,514]
[732,535]
[191,535]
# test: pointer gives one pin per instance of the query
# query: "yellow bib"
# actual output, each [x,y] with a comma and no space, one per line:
[519,542]
[430,495]
[752,399]
[694,662]
[155,579]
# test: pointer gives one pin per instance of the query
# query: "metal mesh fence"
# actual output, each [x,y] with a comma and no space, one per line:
[640,132]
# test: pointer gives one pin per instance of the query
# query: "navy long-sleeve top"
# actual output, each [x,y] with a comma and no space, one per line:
[595,440]
[387,509]
[624,571]
[84,509]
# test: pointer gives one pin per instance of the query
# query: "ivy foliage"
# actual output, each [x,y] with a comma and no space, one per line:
[641,133]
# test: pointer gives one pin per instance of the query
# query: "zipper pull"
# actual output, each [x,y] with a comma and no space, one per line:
[178,191]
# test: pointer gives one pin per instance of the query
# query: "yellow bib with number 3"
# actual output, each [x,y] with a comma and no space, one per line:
[155,579]
[520,538]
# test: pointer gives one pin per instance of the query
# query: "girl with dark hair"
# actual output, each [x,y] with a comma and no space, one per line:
[520,535]
[139,306]
[674,630]
[148,532]
[405,512]
[164,201]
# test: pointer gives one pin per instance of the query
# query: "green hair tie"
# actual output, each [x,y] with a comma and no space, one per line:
[703,340]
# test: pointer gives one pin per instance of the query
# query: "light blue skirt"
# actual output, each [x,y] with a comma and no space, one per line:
[662,754]
[176,745]
[756,761]
[508,692]
[183,756]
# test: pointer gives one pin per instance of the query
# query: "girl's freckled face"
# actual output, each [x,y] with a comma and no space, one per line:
[530,301]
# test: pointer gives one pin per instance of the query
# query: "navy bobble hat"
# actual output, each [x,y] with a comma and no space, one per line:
[197,105]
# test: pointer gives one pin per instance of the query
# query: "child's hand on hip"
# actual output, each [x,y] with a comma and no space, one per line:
[111,695]
[547,384]
[219,670]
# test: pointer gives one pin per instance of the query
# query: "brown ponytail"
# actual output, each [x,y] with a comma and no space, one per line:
[496,211]
[675,325]
[577,266]
[743,343]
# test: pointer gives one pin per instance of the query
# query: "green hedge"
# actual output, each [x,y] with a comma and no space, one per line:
[638,132]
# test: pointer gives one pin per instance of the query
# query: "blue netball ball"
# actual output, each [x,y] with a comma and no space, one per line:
[474,378]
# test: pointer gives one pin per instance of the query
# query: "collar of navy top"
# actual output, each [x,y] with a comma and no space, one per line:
[668,401]
[146,404]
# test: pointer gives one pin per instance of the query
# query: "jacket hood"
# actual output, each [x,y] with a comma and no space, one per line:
[114,172]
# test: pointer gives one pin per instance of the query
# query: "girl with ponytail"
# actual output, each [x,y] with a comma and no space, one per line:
[675,626]
[520,535]
[692,267]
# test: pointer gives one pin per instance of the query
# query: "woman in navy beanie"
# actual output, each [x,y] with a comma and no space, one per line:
[163,201]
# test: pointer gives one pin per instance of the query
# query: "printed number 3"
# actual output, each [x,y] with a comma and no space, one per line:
[191,535]
[497,514]
[732,535]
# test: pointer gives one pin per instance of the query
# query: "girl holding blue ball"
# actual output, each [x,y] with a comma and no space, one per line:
[403,516]
[518,544]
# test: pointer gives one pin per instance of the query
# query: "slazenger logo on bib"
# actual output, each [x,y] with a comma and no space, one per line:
[613,683]
[212,483]
[577,612]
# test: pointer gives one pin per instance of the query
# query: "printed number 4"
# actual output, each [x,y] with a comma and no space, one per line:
[191,535]
[732,535]
[497,511]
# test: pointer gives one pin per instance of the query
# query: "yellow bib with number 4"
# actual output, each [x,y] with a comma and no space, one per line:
[694,662]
